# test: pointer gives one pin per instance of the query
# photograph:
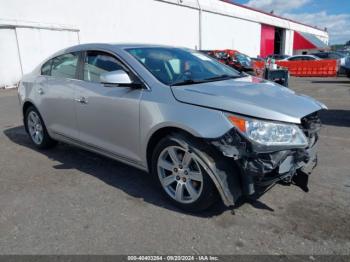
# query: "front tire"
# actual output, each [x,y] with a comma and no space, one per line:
[179,173]
[36,129]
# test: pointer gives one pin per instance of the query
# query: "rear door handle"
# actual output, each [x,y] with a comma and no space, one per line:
[40,91]
[81,100]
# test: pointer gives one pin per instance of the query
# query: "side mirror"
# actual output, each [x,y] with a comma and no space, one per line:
[119,77]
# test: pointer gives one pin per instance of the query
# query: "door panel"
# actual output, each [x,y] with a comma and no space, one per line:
[108,116]
[58,106]
[57,91]
[109,119]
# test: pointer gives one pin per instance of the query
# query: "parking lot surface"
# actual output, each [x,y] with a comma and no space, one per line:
[69,201]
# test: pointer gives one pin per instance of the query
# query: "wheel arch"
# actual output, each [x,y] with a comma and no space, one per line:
[158,135]
[25,107]
[220,183]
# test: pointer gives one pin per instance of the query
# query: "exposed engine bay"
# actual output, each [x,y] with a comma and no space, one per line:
[263,166]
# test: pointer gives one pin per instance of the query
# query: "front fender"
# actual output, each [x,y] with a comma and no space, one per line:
[198,121]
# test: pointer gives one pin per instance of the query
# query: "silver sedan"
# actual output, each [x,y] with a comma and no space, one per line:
[203,130]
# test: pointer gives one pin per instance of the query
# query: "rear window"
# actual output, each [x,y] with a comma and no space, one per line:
[63,66]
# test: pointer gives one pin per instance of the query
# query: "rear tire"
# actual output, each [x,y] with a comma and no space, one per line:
[36,129]
[178,172]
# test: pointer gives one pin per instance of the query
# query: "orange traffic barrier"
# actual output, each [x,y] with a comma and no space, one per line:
[321,68]
[259,64]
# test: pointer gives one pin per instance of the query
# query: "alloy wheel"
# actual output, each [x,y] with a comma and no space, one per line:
[35,127]
[180,174]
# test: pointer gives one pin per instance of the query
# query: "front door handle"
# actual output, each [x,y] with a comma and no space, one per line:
[82,100]
[40,91]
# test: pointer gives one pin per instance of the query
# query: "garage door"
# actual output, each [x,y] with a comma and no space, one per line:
[10,66]
[267,44]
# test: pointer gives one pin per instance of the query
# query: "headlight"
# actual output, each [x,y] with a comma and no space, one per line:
[269,133]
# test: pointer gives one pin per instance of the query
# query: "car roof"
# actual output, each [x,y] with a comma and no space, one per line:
[108,47]
[303,55]
[104,46]
[89,46]
[327,52]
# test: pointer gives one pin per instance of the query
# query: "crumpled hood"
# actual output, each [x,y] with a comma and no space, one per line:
[250,96]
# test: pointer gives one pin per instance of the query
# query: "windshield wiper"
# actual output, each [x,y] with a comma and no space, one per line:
[186,82]
[215,78]
[222,77]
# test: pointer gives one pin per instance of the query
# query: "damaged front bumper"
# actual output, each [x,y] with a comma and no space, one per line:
[264,169]
[262,166]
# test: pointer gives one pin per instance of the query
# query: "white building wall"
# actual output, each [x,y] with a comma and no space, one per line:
[146,21]
[259,17]
[61,23]
[288,42]
[224,32]
[37,44]
[151,21]
[24,46]
[113,20]
[157,21]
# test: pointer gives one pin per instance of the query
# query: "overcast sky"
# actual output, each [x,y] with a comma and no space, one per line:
[333,14]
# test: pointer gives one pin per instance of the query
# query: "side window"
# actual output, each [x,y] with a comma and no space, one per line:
[334,56]
[65,66]
[299,58]
[46,68]
[97,63]
[175,65]
[322,55]
[308,58]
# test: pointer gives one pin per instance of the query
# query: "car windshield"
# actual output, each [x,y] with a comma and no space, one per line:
[177,66]
[337,55]
[333,55]
[344,52]
[243,59]
[221,55]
